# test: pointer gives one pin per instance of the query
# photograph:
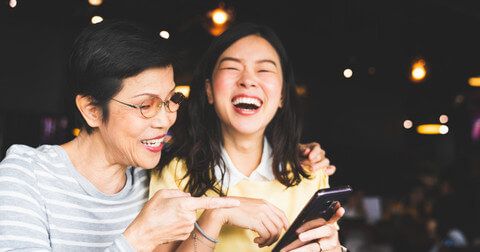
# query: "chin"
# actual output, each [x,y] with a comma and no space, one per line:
[150,164]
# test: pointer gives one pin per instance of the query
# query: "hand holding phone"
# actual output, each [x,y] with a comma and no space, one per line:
[323,204]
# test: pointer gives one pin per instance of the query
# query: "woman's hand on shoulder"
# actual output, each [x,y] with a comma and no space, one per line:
[169,216]
[257,215]
[312,157]
[317,235]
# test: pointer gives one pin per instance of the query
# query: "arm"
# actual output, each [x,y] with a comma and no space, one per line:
[312,157]
[23,222]
[169,216]
[255,214]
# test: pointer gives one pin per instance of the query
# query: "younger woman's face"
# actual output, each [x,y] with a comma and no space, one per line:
[246,86]
[130,138]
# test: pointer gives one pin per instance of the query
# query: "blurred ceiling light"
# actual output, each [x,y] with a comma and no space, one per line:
[219,16]
[418,70]
[95,2]
[219,19]
[301,90]
[432,129]
[443,119]
[348,73]
[164,34]
[474,81]
[185,90]
[96,19]
[443,129]
[407,124]
[13,3]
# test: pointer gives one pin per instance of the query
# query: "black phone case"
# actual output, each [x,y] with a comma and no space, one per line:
[323,204]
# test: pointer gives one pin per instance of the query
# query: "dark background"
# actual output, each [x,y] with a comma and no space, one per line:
[358,121]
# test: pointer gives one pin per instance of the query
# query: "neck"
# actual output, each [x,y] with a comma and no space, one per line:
[245,151]
[91,159]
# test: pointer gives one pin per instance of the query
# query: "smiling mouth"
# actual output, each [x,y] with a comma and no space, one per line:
[247,103]
[153,142]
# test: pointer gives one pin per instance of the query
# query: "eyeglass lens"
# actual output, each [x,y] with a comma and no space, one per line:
[150,107]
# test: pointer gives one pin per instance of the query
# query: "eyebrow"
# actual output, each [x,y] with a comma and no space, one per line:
[257,62]
[154,95]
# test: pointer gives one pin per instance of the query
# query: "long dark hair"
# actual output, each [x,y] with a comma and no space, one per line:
[197,135]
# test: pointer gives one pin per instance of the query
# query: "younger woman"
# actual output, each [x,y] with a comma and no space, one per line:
[239,137]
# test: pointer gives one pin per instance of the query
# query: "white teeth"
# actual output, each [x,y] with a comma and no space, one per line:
[153,142]
[247,100]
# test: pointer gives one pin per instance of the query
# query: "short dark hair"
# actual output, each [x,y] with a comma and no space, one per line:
[197,133]
[104,54]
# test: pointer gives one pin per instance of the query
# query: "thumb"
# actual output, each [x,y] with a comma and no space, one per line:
[211,202]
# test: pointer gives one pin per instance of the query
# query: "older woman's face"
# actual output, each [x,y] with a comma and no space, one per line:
[246,86]
[130,138]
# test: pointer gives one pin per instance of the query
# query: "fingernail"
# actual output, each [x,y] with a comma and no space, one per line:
[303,237]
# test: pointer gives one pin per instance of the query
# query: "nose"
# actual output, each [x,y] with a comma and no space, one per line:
[248,80]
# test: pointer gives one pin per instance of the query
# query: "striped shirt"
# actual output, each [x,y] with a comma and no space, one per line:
[46,205]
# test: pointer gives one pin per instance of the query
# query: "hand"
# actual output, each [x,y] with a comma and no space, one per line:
[323,233]
[257,215]
[169,216]
[313,158]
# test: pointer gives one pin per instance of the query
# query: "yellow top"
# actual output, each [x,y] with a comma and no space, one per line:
[291,200]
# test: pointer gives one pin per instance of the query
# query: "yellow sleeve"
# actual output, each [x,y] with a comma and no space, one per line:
[170,177]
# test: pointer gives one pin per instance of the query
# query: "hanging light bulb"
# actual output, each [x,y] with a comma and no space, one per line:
[219,19]
[219,16]
[418,72]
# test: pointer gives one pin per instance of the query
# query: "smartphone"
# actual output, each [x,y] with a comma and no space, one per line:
[323,204]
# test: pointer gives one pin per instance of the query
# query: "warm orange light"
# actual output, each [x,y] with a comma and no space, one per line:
[301,90]
[219,16]
[95,2]
[474,81]
[432,129]
[418,70]
[76,131]
[185,90]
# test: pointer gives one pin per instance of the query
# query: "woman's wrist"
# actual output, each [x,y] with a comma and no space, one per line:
[211,222]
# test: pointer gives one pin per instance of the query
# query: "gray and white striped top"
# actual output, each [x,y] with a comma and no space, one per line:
[46,205]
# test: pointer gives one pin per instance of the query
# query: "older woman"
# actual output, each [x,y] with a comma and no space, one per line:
[91,193]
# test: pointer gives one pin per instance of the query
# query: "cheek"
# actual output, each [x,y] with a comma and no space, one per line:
[274,89]
[172,117]
[222,83]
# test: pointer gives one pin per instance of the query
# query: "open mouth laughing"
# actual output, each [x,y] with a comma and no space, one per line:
[154,144]
[246,104]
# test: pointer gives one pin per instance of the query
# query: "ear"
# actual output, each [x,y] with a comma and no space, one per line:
[91,113]
[208,89]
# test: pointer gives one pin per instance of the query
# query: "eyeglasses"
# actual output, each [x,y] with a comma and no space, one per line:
[150,107]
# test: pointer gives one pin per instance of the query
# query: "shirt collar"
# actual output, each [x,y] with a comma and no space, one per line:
[263,172]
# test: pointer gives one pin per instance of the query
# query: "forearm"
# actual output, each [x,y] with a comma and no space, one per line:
[211,223]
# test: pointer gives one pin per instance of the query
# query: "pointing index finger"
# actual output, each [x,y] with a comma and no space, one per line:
[195,203]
